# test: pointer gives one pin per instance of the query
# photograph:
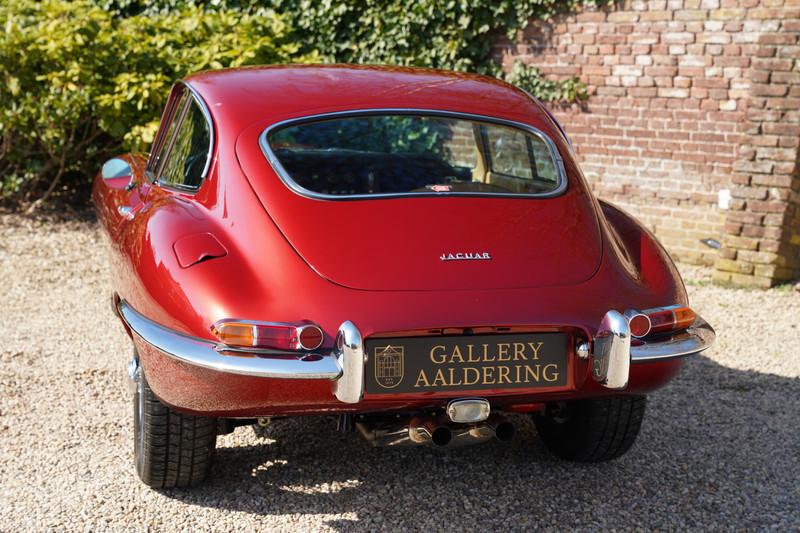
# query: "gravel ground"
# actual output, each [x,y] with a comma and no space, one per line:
[719,448]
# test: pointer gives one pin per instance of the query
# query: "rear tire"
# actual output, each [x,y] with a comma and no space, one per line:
[171,449]
[591,430]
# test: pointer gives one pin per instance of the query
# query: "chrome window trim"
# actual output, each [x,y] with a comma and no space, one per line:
[272,159]
[151,166]
[211,139]
[169,143]
[201,104]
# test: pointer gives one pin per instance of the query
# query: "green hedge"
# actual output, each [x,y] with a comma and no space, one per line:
[80,83]
[84,79]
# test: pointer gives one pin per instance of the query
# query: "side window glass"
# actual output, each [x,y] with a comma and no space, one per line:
[166,131]
[188,151]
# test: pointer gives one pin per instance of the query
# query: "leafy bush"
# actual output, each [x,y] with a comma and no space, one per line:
[86,78]
[80,84]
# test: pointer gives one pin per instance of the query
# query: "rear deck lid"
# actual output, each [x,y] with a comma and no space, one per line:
[424,201]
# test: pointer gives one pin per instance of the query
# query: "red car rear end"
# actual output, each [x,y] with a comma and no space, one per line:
[414,252]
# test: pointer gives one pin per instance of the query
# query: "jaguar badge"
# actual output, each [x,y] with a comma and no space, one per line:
[465,256]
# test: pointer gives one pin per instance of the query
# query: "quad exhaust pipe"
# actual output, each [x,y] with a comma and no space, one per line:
[445,435]
[438,432]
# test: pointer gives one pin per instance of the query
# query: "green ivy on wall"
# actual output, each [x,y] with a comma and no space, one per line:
[450,34]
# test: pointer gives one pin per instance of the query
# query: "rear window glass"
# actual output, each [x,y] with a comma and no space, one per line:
[414,154]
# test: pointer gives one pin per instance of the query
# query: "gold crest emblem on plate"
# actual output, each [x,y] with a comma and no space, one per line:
[389,366]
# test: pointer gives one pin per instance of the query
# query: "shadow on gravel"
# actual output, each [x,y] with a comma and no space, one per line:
[719,447]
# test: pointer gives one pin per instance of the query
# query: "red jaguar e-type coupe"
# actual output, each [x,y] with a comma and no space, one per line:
[415,252]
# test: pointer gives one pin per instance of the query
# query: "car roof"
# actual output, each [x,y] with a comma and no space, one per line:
[240,97]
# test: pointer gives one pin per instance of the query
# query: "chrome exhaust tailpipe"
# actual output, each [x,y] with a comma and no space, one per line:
[501,427]
[437,432]
[441,434]
[444,435]
[477,434]
[383,436]
[427,430]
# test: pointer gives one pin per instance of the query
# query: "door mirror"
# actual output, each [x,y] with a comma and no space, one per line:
[118,174]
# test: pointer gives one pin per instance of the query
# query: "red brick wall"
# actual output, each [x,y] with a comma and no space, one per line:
[687,98]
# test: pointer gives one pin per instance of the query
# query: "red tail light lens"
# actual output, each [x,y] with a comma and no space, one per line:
[267,335]
[310,337]
[670,318]
[639,323]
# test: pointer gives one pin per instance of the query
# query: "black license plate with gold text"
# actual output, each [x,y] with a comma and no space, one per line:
[457,363]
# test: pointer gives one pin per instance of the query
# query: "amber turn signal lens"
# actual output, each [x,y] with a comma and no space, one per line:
[266,335]
[684,317]
[235,333]
[670,318]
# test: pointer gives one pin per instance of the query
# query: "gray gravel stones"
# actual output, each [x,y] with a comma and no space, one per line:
[720,447]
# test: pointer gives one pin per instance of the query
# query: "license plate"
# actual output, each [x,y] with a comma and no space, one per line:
[458,363]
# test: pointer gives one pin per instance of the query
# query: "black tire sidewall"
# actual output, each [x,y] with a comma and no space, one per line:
[592,430]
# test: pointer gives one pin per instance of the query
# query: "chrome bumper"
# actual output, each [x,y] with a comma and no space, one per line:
[612,353]
[206,354]
[692,340]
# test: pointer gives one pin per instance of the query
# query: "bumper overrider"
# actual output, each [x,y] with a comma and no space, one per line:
[612,353]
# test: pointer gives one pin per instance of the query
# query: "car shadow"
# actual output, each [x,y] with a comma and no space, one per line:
[719,446]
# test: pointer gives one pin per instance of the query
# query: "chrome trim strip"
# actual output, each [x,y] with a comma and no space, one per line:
[272,159]
[352,360]
[126,211]
[134,374]
[698,337]
[204,353]
[612,354]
